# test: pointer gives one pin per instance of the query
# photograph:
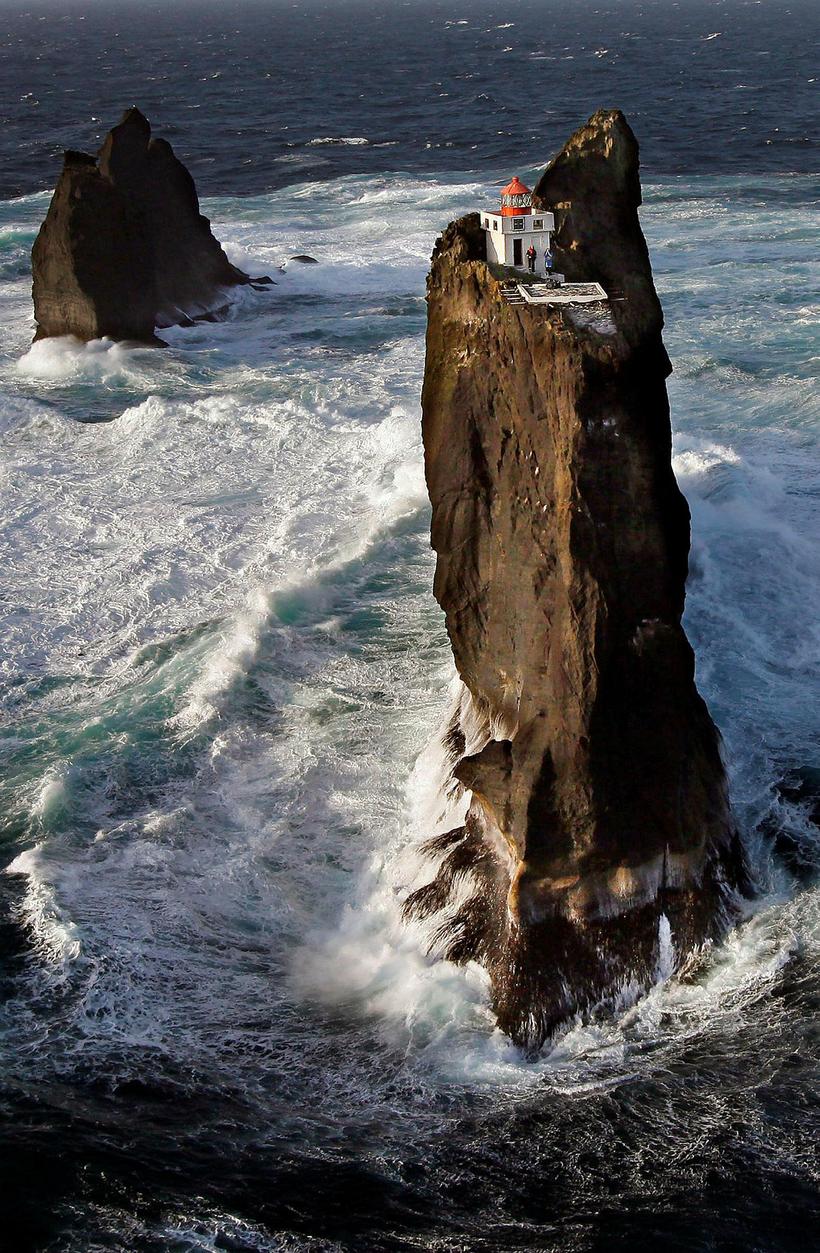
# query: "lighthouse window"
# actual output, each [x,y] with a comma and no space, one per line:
[487,223]
[495,225]
[518,224]
[538,224]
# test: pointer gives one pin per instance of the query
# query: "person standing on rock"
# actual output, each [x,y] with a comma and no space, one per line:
[531,256]
[547,261]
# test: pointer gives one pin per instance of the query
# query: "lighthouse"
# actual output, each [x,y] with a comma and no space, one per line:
[512,229]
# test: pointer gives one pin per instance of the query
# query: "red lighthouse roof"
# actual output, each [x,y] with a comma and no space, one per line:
[515,188]
[515,198]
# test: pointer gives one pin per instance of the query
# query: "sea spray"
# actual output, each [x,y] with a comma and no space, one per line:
[666,949]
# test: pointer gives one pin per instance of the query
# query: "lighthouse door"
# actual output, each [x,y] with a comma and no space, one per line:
[518,258]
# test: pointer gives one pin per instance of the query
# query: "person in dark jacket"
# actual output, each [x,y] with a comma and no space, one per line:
[531,255]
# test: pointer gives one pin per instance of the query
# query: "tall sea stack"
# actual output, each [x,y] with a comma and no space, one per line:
[124,247]
[598,847]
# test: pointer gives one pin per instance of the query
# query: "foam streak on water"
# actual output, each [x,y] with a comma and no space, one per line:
[222,660]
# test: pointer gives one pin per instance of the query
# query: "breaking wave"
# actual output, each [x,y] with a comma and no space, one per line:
[349,140]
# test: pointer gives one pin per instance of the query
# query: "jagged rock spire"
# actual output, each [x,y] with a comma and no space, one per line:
[597,796]
[124,248]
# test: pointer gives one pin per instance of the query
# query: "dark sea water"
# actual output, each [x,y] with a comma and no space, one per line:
[222,668]
[250,90]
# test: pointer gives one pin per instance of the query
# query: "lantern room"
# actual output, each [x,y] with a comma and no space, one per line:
[516,199]
[516,229]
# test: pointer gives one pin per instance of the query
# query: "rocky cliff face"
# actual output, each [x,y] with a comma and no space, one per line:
[124,248]
[597,818]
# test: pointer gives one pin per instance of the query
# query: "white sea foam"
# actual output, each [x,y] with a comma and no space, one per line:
[51,798]
[350,140]
[229,661]
[666,949]
[52,934]
[66,358]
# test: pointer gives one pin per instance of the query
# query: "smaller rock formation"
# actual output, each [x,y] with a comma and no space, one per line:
[124,248]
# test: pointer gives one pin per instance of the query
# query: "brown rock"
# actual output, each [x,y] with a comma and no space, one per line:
[124,248]
[597,792]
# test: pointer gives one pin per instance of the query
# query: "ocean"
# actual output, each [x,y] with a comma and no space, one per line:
[222,668]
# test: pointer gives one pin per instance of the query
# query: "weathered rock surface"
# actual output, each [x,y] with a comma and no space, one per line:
[124,247]
[597,814]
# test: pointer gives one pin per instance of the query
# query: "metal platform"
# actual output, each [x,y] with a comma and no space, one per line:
[566,294]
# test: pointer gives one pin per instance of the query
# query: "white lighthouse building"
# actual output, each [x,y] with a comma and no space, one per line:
[515,227]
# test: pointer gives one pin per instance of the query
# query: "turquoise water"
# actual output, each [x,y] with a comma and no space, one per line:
[222,668]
